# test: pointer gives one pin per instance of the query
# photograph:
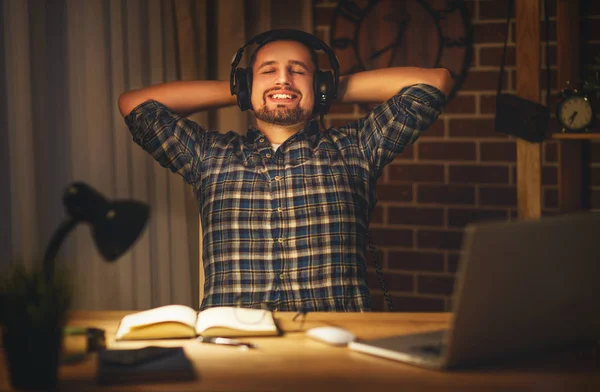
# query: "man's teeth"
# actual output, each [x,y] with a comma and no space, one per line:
[282,96]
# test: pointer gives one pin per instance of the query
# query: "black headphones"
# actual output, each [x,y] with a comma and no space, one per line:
[325,83]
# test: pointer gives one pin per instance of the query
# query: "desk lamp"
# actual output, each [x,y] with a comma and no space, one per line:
[115,225]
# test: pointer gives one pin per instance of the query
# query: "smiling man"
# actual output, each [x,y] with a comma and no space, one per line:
[285,207]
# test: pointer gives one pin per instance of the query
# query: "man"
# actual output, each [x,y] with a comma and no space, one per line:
[285,208]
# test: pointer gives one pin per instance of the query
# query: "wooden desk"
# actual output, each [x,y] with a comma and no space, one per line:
[297,363]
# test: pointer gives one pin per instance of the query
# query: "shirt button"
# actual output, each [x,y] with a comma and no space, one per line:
[268,155]
[282,276]
[261,140]
[277,178]
[280,240]
[280,209]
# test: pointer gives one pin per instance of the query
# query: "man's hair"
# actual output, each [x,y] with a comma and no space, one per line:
[313,55]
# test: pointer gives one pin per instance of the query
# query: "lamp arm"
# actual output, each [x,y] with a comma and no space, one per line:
[56,241]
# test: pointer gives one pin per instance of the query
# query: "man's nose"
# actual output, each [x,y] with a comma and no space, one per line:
[282,77]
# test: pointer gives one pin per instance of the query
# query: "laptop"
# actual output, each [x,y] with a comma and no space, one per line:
[522,287]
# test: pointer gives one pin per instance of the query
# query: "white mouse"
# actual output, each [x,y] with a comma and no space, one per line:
[332,335]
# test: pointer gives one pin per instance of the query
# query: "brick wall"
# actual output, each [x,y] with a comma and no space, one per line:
[460,170]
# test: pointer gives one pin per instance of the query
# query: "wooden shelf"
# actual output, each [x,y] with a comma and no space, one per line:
[576,136]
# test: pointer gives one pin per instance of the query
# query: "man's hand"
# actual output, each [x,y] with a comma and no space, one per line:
[381,84]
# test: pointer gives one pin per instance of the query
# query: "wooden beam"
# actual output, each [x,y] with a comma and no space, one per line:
[570,160]
[528,86]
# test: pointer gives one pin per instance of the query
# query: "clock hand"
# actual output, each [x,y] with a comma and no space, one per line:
[397,42]
[572,118]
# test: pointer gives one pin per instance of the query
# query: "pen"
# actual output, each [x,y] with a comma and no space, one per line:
[224,341]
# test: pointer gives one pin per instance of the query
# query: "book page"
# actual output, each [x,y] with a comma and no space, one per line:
[169,313]
[240,319]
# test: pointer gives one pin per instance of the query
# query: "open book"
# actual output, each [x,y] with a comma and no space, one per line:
[179,321]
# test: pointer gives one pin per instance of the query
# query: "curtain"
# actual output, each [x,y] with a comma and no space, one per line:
[64,64]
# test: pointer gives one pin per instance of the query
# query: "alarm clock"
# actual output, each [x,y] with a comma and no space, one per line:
[574,111]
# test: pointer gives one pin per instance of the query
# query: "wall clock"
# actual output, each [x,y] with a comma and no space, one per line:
[371,34]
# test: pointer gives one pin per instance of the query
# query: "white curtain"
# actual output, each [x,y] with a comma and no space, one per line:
[64,64]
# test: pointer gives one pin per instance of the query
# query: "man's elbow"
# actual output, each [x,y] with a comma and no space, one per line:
[127,102]
[124,105]
[445,81]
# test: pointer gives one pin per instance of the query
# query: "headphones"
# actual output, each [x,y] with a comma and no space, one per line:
[325,83]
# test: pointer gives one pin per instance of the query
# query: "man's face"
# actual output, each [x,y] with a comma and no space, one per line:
[282,83]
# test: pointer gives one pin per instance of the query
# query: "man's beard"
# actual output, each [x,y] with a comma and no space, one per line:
[282,115]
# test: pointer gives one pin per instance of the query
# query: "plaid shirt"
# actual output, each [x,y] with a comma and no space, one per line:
[286,228]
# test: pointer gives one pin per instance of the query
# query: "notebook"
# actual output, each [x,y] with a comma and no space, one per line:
[522,287]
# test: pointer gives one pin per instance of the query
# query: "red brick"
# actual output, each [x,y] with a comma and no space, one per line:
[498,196]
[493,56]
[489,32]
[487,104]
[483,80]
[435,130]
[369,254]
[439,239]
[551,152]
[460,217]
[474,127]
[453,261]
[377,215]
[417,304]
[494,9]
[407,154]
[498,151]
[446,194]
[392,237]
[478,174]
[447,151]
[416,261]
[387,192]
[430,284]
[549,175]
[550,198]
[415,216]
[463,104]
[416,172]
[377,302]
[394,281]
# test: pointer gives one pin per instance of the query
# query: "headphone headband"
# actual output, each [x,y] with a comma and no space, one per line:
[293,35]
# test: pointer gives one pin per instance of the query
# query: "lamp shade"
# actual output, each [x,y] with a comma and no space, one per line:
[115,225]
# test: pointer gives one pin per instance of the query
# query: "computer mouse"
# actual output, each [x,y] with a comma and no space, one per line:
[333,335]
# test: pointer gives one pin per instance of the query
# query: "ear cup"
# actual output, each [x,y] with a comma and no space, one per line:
[243,93]
[323,86]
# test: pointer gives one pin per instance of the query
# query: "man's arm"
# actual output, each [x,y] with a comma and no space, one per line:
[381,84]
[182,98]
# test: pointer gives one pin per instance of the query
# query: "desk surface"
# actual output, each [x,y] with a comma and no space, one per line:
[294,362]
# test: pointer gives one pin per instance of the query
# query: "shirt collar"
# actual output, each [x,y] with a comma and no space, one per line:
[312,128]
